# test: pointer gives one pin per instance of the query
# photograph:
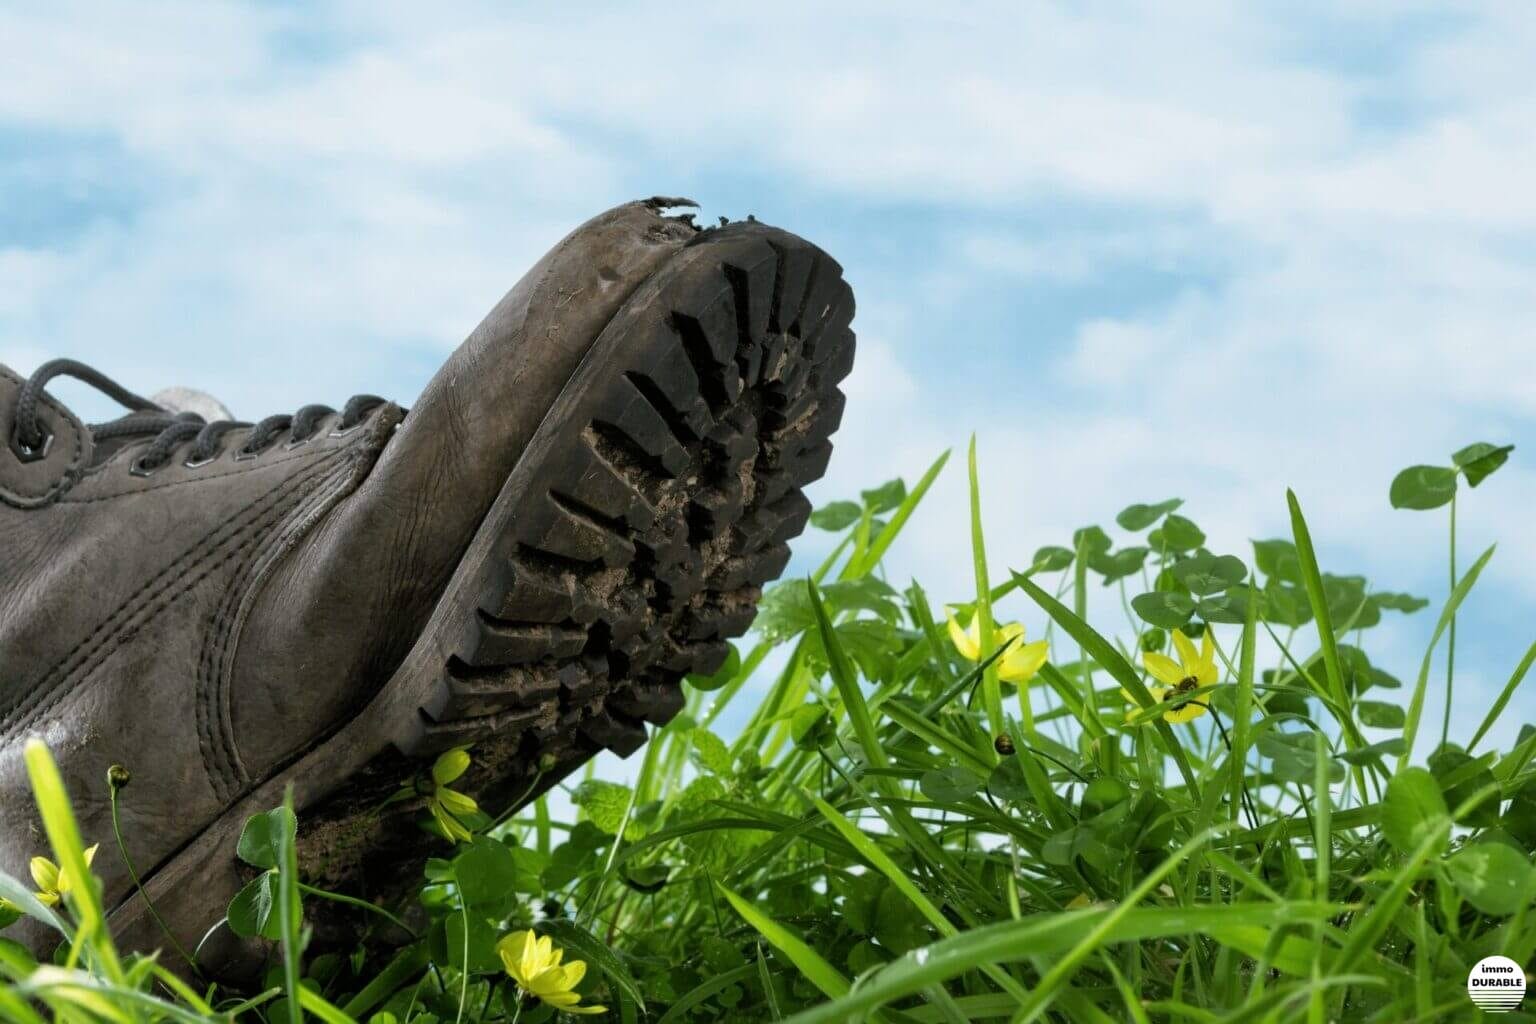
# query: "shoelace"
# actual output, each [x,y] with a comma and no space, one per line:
[30,437]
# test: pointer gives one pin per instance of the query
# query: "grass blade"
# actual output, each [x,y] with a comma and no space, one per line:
[898,878]
[401,969]
[809,962]
[1503,699]
[1044,935]
[1243,710]
[1416,704]
[21,896]
[898,519]
[991,688]
[1050,985]
[704,990]
[64,836]
[571,935]
[846,679]
[290,913]
[1103,652]
[1312,579]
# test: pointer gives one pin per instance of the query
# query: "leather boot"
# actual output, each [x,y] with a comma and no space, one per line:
[580,509]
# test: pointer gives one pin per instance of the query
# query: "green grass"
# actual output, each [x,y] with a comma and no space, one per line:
[898,834]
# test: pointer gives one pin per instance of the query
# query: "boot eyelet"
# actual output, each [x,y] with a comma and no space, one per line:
[31,452]
[244,454]
[298,442]
[142,467]
[344,431]
[191,463]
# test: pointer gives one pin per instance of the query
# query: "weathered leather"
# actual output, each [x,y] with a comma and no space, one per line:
[203,626]
[33,484]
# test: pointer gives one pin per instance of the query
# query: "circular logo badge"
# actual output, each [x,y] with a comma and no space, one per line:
[1496,984]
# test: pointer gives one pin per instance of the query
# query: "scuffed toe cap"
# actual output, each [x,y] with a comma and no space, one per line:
[346,605]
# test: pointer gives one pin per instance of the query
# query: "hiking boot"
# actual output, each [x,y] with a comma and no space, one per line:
[581,508]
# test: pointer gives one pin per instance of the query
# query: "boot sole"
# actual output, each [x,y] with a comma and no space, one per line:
[630,541]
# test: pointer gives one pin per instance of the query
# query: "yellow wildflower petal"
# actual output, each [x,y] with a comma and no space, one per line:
[65,884]
[48,899]
[1189,659]
[45,874]
[1185,713]
[566,1002]
[966,641]
[1010,631]
[1021,662]
[508,949]
[549,985]
[1163,668]
[512,949]
[450,765]
[456,802]
[1079,901]
[546,951]
[1157,698]
[1207,673]
[528,959]
[452,827]
[574,972]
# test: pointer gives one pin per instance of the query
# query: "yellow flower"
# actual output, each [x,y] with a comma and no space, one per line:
[1192,671]
[447,807]
[534,963]
[53,881]
[1019,662]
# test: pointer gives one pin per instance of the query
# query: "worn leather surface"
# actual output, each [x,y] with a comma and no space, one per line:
[37,482]
[203,626]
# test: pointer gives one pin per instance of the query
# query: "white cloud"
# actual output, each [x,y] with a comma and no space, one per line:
[352,187]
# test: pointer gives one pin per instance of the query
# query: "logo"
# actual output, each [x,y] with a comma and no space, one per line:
[1496,984]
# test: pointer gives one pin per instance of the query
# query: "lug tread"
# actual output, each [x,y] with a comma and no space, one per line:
[639,545]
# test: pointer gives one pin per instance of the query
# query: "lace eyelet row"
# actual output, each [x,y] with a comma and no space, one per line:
[30,437]
[141,466]
[36,452]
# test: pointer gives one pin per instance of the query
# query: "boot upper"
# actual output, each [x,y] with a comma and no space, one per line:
[203,622]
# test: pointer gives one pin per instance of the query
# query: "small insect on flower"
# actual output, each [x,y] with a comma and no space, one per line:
[1004,745]
[448,807]
[1193,670]
[534,963]
[1019,662]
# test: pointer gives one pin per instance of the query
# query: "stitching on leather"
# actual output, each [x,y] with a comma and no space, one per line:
[218,646]
[220,643]
[352,470]
[21,499]
[58,683]
[200,478]
[205,740]
[207,711]
[223,772]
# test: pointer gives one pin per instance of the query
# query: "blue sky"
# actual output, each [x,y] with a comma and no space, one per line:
[1145,250]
